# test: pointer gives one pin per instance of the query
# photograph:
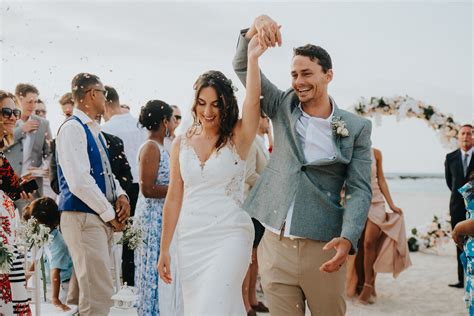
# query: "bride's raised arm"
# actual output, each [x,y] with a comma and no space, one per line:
[248,125]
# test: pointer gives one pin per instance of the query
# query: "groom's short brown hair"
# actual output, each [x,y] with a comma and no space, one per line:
[315,53]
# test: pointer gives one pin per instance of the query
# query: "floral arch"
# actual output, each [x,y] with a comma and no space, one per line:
[405,106]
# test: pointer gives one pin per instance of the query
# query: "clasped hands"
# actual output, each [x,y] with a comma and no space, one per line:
[122,211]
[266,30]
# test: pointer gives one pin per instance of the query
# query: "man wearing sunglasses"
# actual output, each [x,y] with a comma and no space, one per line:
[31,138]
[92,203]
[40,109]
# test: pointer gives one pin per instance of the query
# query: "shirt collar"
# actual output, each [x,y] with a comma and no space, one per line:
[84,117]
[328,119]
[469,152]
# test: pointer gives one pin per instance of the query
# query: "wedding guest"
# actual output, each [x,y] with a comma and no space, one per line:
[174,123]
[257,160]
[125,126]
[215,234]
[153,162]
[40,109]
[458,165]
[58,261]
[13,295]
[463,236]
[31,138]
[89,193]
[385,247]
[318,148]
[67,104]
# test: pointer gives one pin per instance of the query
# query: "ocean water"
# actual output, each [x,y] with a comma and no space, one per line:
[420,199]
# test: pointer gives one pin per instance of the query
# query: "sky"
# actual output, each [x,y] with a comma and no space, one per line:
[156,50]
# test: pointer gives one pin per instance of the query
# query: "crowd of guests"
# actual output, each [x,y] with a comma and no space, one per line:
[93,176]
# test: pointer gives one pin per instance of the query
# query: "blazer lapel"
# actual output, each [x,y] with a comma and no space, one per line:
[336,139]
[294,116]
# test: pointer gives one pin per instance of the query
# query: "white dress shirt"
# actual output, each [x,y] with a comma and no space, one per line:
[125,126]
[315,136]
[74,161]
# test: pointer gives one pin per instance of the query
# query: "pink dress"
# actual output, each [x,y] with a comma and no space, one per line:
[393,255]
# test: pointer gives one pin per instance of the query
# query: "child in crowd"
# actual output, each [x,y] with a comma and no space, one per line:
[45,211]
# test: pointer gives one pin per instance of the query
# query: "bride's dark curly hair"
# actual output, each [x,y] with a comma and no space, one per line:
[227,104]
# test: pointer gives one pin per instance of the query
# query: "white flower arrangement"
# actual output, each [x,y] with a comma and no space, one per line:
[405,106]
[34,234]
[432,236]
[132,235]
[339,127]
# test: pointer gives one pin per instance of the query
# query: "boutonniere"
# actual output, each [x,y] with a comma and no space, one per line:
[339,127]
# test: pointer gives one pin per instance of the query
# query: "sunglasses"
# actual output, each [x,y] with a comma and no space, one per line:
[105,92]
[7,113]
[39,112]
[177,117]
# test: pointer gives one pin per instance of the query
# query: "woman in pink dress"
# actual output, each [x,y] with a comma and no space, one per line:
[384,247]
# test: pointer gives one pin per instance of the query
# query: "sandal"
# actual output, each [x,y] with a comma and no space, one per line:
[370,299]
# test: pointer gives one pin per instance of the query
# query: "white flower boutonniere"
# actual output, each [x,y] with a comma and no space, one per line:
[339,127]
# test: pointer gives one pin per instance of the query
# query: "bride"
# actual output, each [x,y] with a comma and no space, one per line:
[207,165]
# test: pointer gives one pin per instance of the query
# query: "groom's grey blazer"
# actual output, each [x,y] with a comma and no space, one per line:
[315,185]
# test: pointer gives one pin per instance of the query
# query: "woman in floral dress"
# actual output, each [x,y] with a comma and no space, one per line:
[14,299]
[463,235]
[153,162]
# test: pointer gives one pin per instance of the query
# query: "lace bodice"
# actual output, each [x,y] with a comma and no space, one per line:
[221,174]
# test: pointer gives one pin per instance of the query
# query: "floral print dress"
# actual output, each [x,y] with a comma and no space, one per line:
[148,215]
[467,191]
[14,298]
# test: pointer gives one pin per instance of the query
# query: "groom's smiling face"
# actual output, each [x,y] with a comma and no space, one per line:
[309,80]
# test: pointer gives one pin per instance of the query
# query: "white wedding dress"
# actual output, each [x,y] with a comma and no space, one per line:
[214,233]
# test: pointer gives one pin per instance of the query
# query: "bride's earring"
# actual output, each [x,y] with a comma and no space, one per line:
[167,132]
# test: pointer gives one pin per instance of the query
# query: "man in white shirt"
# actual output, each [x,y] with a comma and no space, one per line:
[318,148]
[458,165]
[91,201]
[125,126]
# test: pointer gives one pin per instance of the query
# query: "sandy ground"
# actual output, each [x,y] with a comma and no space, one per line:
[420,290]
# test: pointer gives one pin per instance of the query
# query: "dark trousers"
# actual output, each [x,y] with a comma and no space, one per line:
[128,264]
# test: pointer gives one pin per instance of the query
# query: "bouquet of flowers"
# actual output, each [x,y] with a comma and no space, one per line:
[430,236]
[34,234]
[132,235]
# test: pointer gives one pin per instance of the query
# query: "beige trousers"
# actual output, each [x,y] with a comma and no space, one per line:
[290,274]
[89,241]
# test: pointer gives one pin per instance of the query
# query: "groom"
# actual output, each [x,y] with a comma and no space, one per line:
[318,149]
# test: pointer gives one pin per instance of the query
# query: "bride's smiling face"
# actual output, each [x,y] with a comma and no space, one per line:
[207,108]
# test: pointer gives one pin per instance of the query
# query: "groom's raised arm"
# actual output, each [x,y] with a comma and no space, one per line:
[358,187]
[271,94]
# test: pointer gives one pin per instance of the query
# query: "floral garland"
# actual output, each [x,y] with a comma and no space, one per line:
[430,236]
[405,106]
